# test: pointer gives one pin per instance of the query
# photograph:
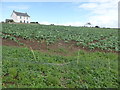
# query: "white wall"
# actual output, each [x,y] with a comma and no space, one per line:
[14,17]
[23,18]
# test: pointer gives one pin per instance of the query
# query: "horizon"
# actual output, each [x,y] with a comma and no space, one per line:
[66,13]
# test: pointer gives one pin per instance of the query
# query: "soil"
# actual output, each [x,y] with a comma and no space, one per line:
[70,47]
[8,42]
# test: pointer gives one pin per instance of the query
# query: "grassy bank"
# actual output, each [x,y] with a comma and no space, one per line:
[25,68]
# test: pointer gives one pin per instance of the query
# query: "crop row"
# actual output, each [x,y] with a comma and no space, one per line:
[106,39]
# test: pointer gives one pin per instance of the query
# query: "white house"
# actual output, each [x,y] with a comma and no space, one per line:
[20,17]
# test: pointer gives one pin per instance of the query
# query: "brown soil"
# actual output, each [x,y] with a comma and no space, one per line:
[8,42]
[70,47]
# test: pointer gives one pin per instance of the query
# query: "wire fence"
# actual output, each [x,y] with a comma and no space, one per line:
[37,62]
[90,63]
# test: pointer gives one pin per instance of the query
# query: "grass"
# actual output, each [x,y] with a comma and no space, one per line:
[23,68]
[61,50]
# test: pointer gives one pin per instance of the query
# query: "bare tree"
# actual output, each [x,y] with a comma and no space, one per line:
[88,24]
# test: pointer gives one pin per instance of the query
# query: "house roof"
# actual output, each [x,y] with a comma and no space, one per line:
[21,14]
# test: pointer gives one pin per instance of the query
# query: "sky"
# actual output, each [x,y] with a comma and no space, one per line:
[103,13]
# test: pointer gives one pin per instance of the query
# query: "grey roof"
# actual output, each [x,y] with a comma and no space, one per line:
[21,14]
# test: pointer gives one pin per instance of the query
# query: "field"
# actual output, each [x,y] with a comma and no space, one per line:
[49,56]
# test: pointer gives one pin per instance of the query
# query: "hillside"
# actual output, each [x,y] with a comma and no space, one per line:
[49,56]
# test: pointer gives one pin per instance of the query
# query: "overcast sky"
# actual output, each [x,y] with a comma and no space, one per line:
[103,13]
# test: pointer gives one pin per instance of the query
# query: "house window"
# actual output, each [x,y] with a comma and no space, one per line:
[27,21]
[20,17]
[20,21]
[27,17]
